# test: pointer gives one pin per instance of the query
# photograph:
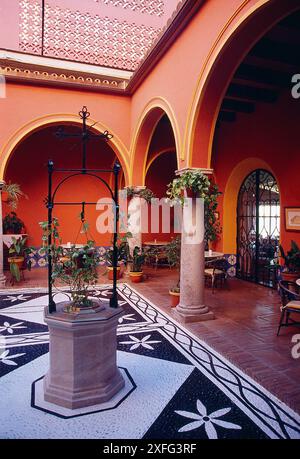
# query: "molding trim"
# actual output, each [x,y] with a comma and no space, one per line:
[25,74]
[205,171]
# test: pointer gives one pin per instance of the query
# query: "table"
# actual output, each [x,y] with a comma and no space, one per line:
[159,254]
[156,243]
[68,246]
[212,255]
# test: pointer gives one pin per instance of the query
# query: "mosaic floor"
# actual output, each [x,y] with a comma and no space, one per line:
[177,387]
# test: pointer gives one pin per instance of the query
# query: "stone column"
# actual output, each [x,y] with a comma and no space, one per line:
[2,276]
[191,307]
[135,220]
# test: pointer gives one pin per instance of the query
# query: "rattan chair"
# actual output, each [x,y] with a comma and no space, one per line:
[290,303]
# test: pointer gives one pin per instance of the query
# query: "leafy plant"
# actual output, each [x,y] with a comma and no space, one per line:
[291,258]
[122,250]
[199,184]
[14,194]
[18,249]
[138,259]
[144,193]
[77,268]
[173,251]
[12,224]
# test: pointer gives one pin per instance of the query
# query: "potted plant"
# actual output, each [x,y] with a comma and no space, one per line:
[291,268]
[173,254]
[137,260]
[122,255]
[196,184]
[18,250]
[78,269]
[12,224]
[11,193]
[144,193]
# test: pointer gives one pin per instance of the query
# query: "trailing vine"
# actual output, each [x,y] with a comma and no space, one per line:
[199,183]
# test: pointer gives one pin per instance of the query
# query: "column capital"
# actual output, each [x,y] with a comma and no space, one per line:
[136,188]
[204,171]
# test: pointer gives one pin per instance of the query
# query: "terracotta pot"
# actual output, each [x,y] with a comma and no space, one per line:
[64,259]
[17,260]
[136,277]
[291,277]
[111,272]
[175,297]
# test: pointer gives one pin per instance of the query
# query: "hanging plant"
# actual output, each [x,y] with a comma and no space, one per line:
[145,193]
[202,187]
[14,193]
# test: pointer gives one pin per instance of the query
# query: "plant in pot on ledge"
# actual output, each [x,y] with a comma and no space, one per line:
[18,252]
[173,254]
[137,261]
[291,268]
[122,255]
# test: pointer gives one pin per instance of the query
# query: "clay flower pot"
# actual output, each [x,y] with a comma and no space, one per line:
[17,260]
[110,271]
[175,297]
[136,277]
[291,277]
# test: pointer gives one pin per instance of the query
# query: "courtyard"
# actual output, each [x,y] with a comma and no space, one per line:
[149,219]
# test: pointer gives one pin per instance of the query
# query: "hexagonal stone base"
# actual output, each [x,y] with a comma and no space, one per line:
[38,399]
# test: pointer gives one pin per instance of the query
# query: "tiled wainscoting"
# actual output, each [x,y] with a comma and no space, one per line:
[38,260]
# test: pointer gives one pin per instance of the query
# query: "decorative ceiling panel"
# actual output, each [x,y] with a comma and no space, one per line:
[111,33]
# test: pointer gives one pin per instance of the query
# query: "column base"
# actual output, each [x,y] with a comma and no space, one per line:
[83,397]
[187,315]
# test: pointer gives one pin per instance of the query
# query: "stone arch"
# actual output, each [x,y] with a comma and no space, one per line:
[150,117]
[35,125]
[230,198]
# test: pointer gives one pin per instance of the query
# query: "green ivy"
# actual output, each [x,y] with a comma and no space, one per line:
[200,184]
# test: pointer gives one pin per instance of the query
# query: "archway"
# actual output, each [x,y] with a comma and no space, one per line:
[256,128]
[157,110]
[31,175]
[244,29]
[258,227]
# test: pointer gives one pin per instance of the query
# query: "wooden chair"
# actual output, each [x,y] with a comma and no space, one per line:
[290,303]
[215,272]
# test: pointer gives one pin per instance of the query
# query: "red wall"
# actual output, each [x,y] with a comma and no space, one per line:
[160,174]
[272,134]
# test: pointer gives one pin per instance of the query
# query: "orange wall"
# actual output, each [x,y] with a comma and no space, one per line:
[25,103]
[270,134]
